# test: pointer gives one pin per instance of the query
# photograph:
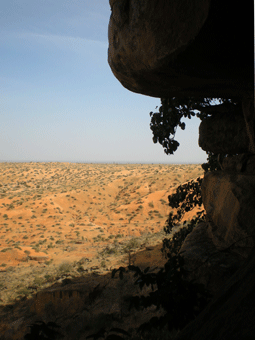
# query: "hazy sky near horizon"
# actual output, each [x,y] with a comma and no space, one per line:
[59,100]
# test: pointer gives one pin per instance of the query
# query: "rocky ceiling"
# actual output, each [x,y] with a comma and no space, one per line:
[165,48]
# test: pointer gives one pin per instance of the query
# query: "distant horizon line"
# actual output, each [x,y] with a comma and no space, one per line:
[88,162]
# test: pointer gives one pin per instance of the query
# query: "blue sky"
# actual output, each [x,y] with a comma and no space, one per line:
[59,100]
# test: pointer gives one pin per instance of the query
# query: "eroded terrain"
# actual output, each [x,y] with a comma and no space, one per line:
[73,219]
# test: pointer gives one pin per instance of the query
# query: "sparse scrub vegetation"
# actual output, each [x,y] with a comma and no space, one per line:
[123,219]
[65,267]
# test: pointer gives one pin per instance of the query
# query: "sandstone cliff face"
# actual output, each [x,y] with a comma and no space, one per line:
[229,202]
[196,48]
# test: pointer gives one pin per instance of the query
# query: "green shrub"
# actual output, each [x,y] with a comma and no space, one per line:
[5,249]
[131,245]
[65,267]
[103,264]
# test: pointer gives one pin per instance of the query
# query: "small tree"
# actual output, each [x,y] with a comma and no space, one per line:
[164,123]
[181,299]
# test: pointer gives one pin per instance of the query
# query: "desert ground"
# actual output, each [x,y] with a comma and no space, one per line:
[75,219]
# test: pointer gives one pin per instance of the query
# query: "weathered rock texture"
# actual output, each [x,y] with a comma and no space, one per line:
[206,263]
[165,48]
[243,163]
[220,134]
[220,253]
[231,313]
[229,202]
[181,48]
[81,307]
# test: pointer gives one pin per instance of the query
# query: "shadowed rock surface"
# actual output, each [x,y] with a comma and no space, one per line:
[197,49]
[229,202]
[231,314]
[206,262]
[167,48]
[239,164]
[219,134]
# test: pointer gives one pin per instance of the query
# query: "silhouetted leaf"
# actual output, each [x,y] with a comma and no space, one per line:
[114,271]
[135,269]
[146,270]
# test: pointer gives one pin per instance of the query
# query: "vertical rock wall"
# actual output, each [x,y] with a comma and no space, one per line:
[198,48]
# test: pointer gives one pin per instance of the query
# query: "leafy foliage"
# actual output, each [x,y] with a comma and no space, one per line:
[121,270]
[181,299]
[186,197]
[212,162]
[164,123]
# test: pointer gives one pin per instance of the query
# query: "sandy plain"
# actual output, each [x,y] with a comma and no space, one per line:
[75,218]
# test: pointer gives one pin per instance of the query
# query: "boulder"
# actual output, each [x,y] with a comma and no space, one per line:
[221,135]
[229,202]
[231,313]
[243,163]
[205,263]
[165,48]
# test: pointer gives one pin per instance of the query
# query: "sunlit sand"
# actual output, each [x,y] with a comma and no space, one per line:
[80,218]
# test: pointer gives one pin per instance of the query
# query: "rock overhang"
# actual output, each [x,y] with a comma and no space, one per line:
[181,48]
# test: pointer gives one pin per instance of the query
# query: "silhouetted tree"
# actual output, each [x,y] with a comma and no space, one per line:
[164,123]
